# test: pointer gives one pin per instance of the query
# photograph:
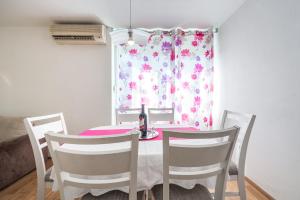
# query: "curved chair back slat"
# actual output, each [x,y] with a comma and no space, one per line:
[130,115]
[159,115]
[36,128]
[245,122]
[82,156]
[211,159]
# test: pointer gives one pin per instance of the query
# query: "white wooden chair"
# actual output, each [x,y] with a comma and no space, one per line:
[128,115]
[161,115]
[36,128]
[68,163]
[237,165]
[215,157]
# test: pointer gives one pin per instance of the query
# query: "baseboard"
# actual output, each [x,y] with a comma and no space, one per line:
[259,188]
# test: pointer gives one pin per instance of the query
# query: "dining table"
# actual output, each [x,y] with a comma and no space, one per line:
[150,159]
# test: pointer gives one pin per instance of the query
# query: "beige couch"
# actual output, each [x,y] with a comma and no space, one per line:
[16,156]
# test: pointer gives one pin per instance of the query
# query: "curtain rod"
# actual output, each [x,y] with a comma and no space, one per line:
[214,30]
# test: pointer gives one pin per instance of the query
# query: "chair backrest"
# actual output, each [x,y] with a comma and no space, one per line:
[36,128]
[245,122]
[161,115]
[128,115]
[187,155]
[95,156]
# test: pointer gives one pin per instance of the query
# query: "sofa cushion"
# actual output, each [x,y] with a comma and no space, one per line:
[16,160]
[11,128]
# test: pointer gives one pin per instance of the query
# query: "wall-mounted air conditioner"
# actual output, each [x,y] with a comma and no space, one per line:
[78,33]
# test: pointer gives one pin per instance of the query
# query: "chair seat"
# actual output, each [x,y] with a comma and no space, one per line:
[112,195]
[179,193]
[48,174]
[233,169]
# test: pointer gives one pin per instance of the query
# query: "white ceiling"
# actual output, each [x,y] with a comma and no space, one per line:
[115,13]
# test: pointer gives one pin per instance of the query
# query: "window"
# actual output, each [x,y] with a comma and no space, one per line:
[174,69]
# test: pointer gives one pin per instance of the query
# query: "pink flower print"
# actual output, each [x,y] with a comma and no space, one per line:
[210,120]
[199,35]
[178,42]
[185,85]
[122,106]
[155,87]
[194,76]
[212,53]
[206,86]
[144,100]
[123,75]
[205,119]
[150,38]
[164,79]
[179,108]
[197,100]
[166,46]
[194,43]
[141,77]
[193,109]
[178,75]
[132,85]
[146,67]
[197,123]
[155,54]
[172,90]
[198,68]
[209,53]
[181,64]
[174,71]
[184,117]
[211,87]
[172,55]
[129,97]
[133,52]
[185,52]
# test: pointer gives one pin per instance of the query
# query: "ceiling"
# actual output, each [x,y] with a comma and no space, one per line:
[115,13]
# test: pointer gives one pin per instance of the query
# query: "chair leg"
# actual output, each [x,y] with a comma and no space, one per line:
[145,196]
[241,185]
[41,186]
[151,195]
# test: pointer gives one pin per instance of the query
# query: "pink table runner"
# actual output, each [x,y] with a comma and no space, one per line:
[120,131]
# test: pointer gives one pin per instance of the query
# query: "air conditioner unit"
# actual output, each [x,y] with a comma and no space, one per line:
[78,34]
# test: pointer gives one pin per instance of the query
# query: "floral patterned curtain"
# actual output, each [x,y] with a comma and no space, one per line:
[174,69]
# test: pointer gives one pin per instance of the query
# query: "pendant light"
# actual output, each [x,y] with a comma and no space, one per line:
[130,33]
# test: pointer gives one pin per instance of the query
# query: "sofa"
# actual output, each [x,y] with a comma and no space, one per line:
[16,155]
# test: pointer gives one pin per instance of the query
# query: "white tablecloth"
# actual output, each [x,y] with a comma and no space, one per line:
[150,164]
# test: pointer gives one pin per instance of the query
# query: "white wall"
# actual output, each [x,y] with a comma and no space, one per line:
[260,48]
[39,77]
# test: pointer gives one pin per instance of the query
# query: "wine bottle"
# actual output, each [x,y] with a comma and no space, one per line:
[143,122]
